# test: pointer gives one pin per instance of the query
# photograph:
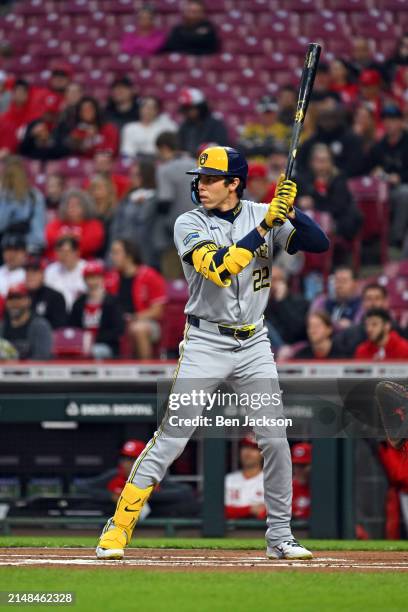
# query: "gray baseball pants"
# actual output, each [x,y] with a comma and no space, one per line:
[250,367]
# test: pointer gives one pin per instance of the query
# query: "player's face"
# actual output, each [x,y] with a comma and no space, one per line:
[214,193]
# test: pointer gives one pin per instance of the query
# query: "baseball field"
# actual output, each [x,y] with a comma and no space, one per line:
[208,574]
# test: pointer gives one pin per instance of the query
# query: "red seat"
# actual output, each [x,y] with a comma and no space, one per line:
[371,196]
[174,320]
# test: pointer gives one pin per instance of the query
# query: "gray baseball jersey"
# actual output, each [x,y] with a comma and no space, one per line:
[244,301]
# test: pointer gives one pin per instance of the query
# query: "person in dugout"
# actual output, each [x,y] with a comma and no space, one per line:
[170,499]
[302,462]
[244,490]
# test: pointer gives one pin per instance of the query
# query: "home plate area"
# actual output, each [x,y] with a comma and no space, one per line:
[210,560]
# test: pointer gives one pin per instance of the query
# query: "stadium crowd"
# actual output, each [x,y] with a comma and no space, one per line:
[90,189]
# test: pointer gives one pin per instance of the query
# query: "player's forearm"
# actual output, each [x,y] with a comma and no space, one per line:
[308,236]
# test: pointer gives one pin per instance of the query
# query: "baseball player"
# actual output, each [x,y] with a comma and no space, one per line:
[226,248]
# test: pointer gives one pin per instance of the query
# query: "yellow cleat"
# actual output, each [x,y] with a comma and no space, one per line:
[117,533]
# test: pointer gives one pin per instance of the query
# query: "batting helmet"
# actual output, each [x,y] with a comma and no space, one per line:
[220,161]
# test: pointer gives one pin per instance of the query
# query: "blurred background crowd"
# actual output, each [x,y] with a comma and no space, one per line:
[103,108]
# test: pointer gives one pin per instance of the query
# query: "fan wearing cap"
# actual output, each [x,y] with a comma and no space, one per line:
[14,253]
[128,453]
[30,334]
[45,301]
[301,461]
[199,124]
[388,159]
[99,312]
[226,247]
[41,138]
[261,136]
[195,35]
[244,491]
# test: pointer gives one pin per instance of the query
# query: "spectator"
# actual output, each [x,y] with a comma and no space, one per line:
[66,274]
[277,163]
[320,335]
[362,56]
[332,129]
[103,193]
[344,307]
[399,58]
[382,342]
[244,490]
[30,334]
[301,461]
[195,35]
[394,463]
[22,207]
[389,160]
[364,127]
[286,312]
[141,292]
[146,39]
[5,94]
[135,214]
[104,166]
[45,301]
[54,191]
[287,101]
[199,124]
[372,94]
[324,188]
[123,106]
[41,138]
[72,97]
[173,199]
[259,188]
[139,138]
[341,82]
[321,86]
[90,132]
[374,296]
[18,115]
[14,255]
[76,217]
[98,312]
[60,78]
[259,137]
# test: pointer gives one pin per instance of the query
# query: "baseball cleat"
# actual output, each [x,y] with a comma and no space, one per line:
[109,554]
[289,549]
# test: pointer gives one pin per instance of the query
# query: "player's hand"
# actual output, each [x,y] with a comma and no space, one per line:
[286,189]
[277,212]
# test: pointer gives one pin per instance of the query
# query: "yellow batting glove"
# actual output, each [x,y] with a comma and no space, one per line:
[286,189]
[277,212]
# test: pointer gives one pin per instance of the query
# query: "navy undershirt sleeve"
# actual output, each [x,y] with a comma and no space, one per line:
[308,236]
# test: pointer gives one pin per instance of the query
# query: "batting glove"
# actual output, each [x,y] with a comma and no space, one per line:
[286,189]
[277,212]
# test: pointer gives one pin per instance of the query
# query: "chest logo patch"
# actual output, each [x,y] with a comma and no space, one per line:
[262,251]
[190,237]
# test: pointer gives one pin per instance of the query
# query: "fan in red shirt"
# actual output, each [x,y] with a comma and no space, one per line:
[19,114]
[301,461]
[61,75]
[75,218]
[142,293]
[395,464]
[259,186]
[383,343]
[244,490]
[91,133]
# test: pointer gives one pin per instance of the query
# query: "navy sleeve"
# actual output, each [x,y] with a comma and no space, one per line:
[308,236]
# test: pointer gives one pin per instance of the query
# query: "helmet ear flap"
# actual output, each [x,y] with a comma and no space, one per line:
[195,195]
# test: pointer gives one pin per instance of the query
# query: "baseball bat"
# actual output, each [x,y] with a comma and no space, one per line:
[305,91]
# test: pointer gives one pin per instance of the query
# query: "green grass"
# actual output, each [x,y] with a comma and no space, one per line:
[196,543]
[113,590]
